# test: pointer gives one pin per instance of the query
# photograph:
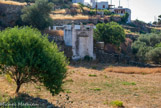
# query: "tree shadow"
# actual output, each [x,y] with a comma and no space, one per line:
[96,65]
[25,101]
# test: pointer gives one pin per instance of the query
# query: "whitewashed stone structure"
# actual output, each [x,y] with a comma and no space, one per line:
[80,38]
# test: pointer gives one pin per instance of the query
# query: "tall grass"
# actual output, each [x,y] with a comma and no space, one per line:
[133,70]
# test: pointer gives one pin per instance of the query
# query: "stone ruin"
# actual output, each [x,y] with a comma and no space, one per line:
[78,40]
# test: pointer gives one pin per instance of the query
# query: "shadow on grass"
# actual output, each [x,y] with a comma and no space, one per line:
[95,64]
[26,101]
[101,66]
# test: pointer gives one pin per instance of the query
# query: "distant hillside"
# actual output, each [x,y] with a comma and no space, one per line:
[10,13]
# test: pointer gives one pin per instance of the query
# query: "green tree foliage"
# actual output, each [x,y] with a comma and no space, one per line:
[29,56]
[159,19]
[107,12]
[111,33]
[154,55]
[81,6]
[124,18]
[147,47]
[158,45]
[37,14]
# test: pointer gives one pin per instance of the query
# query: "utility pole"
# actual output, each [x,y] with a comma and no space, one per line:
[128,3]
[96,7]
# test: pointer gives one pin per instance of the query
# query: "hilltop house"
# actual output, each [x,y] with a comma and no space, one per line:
[121,11]
[78,1]
[92,3]
[105,5]
[99,4]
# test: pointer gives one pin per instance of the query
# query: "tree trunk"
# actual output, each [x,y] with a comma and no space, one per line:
[18,87]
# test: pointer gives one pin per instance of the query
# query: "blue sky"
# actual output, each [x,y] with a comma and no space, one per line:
[144,10]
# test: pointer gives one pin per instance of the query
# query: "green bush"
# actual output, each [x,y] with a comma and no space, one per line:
[117,103]
[111,33]
[158,45]
[154,55]
[88,58]
[32,57]
[147,47]
[124,18]
[107,12]
[92,12]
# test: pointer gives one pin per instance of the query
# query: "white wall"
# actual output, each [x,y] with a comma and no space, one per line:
[100,5]
[78,1]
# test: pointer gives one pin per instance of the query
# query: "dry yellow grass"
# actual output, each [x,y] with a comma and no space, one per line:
[76,5]
[88,86]
[157,28]
[129,32]
[55,32]
[133,70]
[62,11]
[12,3]
[69,17]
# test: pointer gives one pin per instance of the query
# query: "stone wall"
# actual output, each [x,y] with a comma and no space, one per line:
[104,57]
[77,22]
[9,14]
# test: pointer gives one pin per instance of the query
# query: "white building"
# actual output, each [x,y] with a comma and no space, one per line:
[121,11]
[80,38]
[99,4]
[103,4]
[78,1]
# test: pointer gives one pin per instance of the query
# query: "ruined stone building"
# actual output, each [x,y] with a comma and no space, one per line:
[78,40]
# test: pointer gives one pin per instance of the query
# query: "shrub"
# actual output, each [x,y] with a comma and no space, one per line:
[147,47]
[128,83]
[158,45]
[92,12]
[107,12]
[124,18]
[88,58]
[31,57]
[92,75]
[111,33]
[117,103]
[154,55]
[96,89]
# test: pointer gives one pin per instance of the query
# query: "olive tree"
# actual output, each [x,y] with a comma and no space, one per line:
[29,56]
[111,33]
[38,14]
[147,47]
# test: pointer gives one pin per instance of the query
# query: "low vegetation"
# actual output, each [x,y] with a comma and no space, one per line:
[111,33]
[117,103]
[147,48]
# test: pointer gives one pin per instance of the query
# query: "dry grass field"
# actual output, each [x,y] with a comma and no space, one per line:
[11,2]
[55,32]
[97,85]
[69,17]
